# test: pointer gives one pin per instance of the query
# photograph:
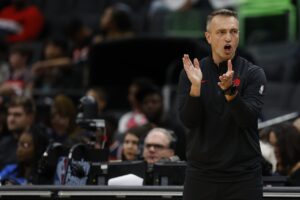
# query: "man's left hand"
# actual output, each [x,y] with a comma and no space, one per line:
[226,79]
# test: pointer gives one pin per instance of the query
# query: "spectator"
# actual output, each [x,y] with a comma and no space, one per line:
[81,37]
[28,20]
[159,144]
[64,128]
[20,117]
[269,160]
[19,75]
[52,70]
[152,107]
[116,23]
[133,137]
[31,146]
[286,140]
[134,117]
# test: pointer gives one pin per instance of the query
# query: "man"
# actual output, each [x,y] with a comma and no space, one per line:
[158,144]
[152,107]
[20,117]
[220,99]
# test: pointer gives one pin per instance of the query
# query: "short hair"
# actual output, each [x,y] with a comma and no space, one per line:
[27,104]
[122,17]
[220,12]
[23,50]
[168,133]
[139,131]
[146,91]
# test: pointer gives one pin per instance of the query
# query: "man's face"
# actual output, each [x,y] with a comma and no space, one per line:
[156,147]
[223,36]
[152,107]
[17,119]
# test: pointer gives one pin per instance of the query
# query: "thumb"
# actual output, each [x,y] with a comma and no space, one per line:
[196,63]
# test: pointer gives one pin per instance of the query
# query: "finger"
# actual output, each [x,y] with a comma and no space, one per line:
[196,63]
[186,64]
[229,65]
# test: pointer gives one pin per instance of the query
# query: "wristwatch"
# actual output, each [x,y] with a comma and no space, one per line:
[231,90]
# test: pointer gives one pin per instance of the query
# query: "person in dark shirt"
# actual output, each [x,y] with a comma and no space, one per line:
[220,99]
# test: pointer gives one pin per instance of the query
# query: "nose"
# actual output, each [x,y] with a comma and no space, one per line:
[228,37]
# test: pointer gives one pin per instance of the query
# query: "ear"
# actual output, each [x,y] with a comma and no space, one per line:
[172,152]
[208,37]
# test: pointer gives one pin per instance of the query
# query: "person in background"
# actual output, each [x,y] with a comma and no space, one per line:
[20,118]
[220,99]
[63,115]
[31,145]
[81,38]
[286,141]
[158,144]
[19,77]
[132,141]
[115,23]
[268,155]
[152,107]
[134,117]
[27,19]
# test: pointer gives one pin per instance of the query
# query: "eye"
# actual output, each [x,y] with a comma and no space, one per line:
[234,31]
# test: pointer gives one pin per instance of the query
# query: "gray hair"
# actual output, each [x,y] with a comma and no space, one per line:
[168,133]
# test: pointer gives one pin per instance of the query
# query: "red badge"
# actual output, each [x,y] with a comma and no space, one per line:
[236,82]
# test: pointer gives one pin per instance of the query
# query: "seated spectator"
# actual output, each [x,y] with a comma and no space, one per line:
[131,144]
[116,23]
[80,37]
[19,76]
[52,70]
[159,145]
[286,140]
[269,160]
[152,107]
[134,117]
[20,117]
[31,146]
[63,115]
[24,21]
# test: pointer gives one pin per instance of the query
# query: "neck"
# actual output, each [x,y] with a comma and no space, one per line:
[217,61]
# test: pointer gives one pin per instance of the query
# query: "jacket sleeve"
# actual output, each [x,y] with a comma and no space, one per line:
[189,107]
[246,106]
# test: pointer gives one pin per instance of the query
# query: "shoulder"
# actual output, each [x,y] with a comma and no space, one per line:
[251,68]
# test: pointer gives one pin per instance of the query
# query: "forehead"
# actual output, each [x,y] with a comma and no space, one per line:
[224,22]
[157,138]
[130,136]
[18,109]
[153,97]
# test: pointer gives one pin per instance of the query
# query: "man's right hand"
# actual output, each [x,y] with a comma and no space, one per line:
[194,74]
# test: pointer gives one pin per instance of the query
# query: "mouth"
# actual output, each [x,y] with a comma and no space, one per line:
[227,48]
